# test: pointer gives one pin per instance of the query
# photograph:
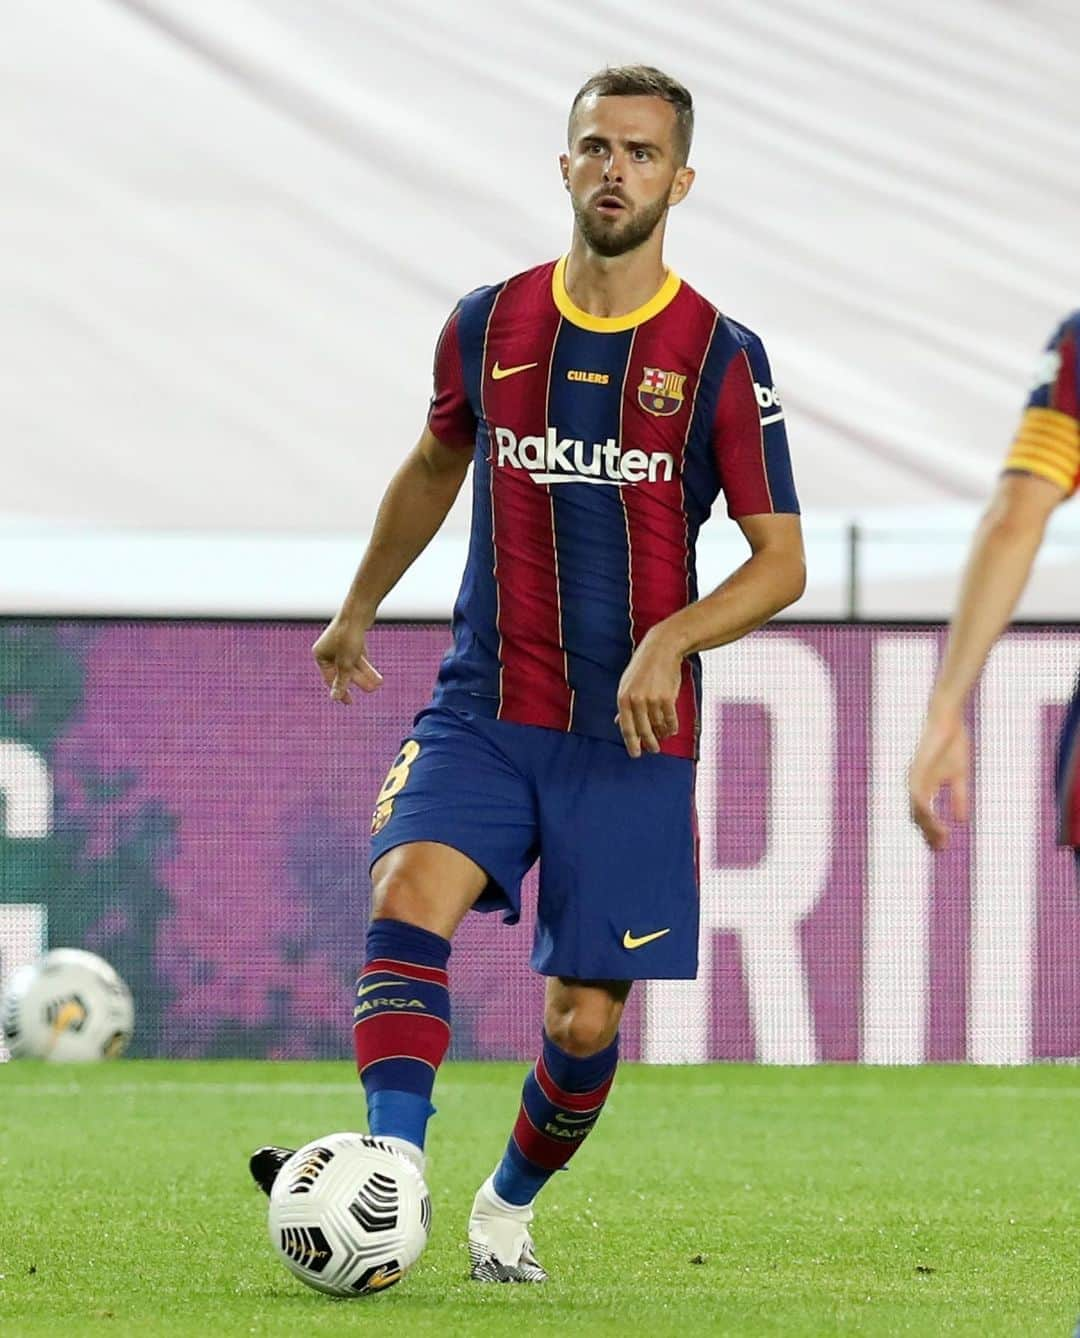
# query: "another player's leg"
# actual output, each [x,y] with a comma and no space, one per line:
[561,1101]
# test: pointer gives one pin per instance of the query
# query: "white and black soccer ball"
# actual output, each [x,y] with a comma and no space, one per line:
[349,1215]
[69,1006]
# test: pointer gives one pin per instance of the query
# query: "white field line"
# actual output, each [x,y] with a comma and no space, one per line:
[156,1087]
[153,1087]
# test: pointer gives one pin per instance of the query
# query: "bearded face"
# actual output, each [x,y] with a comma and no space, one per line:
[612,225]
[624,168]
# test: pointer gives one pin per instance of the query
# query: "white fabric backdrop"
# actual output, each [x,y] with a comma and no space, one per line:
[232,229]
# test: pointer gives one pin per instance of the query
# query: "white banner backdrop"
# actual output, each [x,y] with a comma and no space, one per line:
[233,228]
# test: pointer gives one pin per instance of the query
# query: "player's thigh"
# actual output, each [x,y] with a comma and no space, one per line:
[582,1016]
[454,826]
[619,896]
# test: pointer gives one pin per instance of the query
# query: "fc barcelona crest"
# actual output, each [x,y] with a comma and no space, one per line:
[660,392]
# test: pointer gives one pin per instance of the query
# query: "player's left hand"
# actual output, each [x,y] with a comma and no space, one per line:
[648,692]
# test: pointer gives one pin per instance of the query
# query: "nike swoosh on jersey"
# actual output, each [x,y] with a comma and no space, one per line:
[500,373]
[575,1119]
[629,941]
[366,989]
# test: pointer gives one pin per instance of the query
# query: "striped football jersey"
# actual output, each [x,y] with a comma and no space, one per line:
[600,446]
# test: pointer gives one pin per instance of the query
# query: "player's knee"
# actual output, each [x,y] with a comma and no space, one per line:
[582,1029]
[397,895]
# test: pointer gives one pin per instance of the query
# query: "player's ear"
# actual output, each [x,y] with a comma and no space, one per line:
[564,168]
[680,186]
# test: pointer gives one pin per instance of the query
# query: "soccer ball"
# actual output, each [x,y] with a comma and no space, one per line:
[69,1006]
[349,1215]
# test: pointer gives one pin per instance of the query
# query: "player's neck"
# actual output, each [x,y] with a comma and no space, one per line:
[613,285]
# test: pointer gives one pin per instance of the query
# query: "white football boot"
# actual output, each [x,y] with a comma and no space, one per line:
[500,1247]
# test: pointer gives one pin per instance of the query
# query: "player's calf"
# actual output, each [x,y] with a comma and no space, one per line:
[401,1026]
[561,1102]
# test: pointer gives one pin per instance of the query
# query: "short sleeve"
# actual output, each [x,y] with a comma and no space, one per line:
[1047,443]
[450,415]
[750,440]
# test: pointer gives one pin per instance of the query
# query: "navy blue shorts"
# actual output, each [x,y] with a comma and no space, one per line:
[616,838]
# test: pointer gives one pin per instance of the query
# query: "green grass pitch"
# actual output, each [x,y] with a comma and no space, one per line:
[713,1200]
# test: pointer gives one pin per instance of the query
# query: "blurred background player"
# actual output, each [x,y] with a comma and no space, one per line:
[1043,468]
[604,406]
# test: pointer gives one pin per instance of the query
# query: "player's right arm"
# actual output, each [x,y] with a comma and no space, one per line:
[414,506]
[1043,468]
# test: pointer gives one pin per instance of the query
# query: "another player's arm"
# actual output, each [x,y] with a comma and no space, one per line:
[1043,468]
[413,508]
[773,577]
[998,567]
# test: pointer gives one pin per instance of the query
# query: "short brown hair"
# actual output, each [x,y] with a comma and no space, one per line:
[625,81]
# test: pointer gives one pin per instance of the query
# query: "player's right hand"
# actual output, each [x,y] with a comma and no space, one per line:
[942,761]
[340,655]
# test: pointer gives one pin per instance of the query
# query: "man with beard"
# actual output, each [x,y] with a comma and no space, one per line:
[604,406]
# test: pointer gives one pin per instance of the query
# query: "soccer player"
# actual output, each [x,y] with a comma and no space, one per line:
[604,405]
[1042,469]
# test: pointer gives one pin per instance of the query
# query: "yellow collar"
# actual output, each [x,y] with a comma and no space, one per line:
[611,324]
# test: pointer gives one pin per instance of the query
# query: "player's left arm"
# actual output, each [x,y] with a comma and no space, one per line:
[773,577]
[753,466]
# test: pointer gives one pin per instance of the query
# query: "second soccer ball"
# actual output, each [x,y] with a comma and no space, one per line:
[68,1006]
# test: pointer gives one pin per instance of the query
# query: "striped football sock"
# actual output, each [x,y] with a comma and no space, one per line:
[401,1026]
[560,1102]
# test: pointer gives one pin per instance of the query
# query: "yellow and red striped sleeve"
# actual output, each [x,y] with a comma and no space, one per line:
[1048,440]
[1047,443]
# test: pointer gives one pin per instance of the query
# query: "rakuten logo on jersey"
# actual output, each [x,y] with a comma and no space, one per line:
[555,459]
